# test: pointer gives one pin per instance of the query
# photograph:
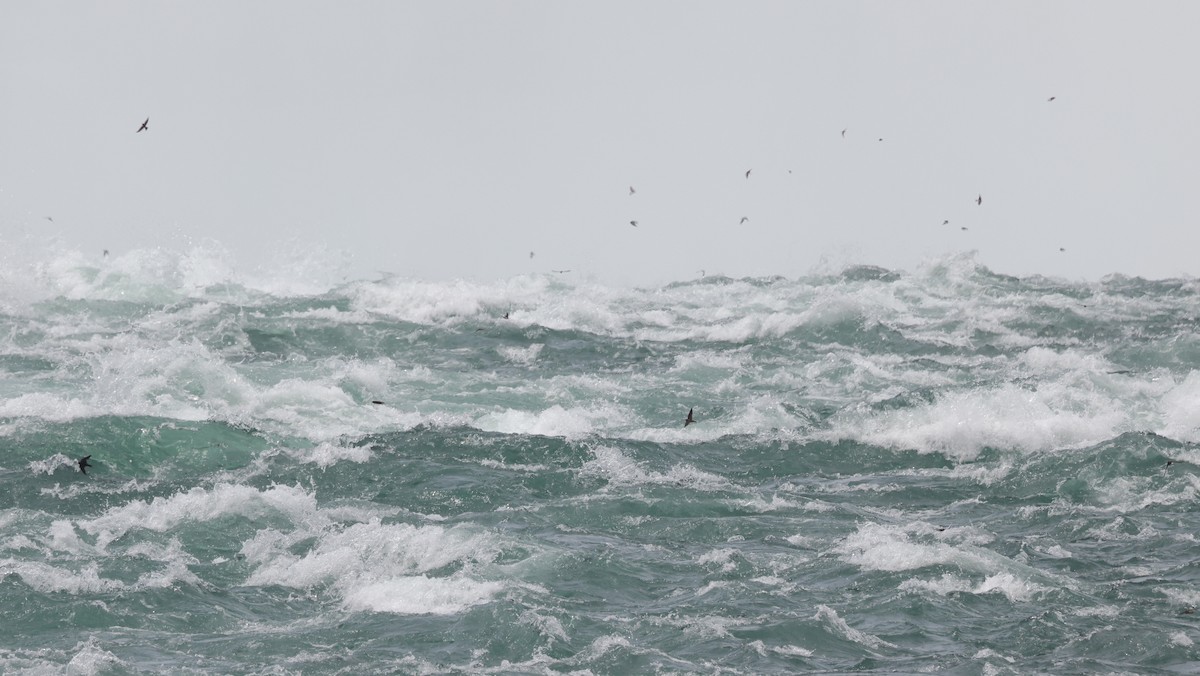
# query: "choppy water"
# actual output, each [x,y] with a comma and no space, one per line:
[940,470]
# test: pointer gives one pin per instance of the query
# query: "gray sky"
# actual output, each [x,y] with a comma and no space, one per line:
[450,139]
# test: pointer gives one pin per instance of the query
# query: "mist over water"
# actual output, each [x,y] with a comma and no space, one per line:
[944,469]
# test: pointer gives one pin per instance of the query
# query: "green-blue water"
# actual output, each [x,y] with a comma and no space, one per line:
[942,470]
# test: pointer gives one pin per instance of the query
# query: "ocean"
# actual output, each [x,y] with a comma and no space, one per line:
[939,470]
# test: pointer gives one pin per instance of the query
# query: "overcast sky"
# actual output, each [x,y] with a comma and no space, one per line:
[450,139]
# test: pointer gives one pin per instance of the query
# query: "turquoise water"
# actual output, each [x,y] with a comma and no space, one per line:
[941,470]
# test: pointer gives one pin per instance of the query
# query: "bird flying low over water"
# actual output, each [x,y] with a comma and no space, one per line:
[145,126]
[689,420]
[84,464]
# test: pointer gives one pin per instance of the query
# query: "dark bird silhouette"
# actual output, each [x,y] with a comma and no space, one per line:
[744,219]
[689,420]
[106,253]
[1051,98]
[145,126]
[843,133]
[505,315]
[964,227]
[979,200]
[377,402]
[531,254]
[945,222]
[631,190]
[633,223]
[1061,248]
[84,464]
[748,172]
[49,219]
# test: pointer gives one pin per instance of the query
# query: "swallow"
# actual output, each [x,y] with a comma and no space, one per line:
[84,464]
[145,126]
[689,420]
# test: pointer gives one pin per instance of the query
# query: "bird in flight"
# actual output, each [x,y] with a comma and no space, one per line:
[979,200]
[843,133]
[84,464]
[1051,99]
[561,272]
[748,172]
[633,223]
[945,222]
[689,420]
[631,190]
[531,254]
[145,126]
[744,219]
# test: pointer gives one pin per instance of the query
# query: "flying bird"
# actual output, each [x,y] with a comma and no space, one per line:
[631,190]
[979,200]
[49,219]
[145,126]
[561,272]
[1051,99]
[748,172]
[531,254]
[844,133]
[744,219]
[945,222]
[633,223]
[84,464]
[689,420]
[505,316]
[377,402]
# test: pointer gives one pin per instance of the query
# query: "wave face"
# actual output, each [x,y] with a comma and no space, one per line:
[941,470]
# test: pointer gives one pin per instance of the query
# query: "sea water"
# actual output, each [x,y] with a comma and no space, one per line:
[943,470]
